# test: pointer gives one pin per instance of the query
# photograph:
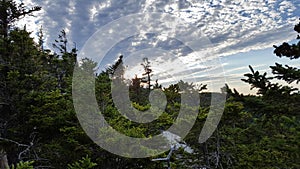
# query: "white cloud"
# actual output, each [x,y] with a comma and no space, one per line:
[231,26]
[225,22]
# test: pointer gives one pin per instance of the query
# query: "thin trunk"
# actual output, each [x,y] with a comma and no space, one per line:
[205,152]
[4,19]
[3,160]
[149,87]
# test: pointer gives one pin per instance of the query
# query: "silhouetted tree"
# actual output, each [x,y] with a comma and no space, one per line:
[11,12]
[147,74]
[291,51]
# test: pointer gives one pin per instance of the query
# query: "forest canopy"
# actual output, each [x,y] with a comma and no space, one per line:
[39,127]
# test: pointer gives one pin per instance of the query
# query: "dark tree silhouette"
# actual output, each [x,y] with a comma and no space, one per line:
[11,12]
[147,73]
[291,51]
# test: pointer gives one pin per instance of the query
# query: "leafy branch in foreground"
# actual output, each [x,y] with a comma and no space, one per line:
[84,163]
[23,165]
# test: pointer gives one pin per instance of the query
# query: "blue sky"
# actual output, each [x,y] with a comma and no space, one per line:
[240,32]
[238,64]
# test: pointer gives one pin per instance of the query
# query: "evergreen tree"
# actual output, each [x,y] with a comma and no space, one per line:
[291,51]
[10,12]
[275,116]
[147,74]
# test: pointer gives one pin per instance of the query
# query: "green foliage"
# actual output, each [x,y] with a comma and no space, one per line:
[23,165]
[38,122]
[84,163]
[269,140]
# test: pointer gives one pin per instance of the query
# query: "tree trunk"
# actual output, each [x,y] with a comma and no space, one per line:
[149,81]
[3,160]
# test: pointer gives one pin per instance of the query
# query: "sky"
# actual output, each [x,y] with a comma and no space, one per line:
[214,41]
